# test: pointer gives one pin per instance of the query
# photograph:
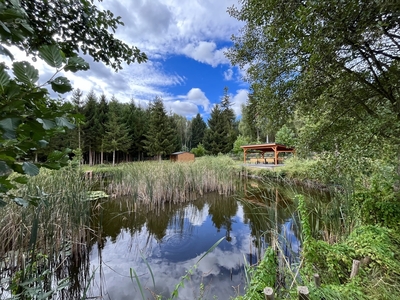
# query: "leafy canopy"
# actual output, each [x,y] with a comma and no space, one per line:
[323,60]
[55,32]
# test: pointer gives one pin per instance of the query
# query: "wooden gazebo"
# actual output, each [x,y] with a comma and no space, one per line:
[263,148]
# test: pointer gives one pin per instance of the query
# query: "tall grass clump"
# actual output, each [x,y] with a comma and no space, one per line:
[160,182]
[47,234]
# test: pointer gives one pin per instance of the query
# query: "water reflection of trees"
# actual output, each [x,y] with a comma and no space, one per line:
[222,210]
[272,217]
[264,209]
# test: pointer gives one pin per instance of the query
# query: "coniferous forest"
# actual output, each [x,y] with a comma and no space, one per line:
[109,131]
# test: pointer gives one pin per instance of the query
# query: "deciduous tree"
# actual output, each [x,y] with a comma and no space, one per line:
[337,64]
[55,32]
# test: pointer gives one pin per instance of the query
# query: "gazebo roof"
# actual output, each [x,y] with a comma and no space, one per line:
[271,147]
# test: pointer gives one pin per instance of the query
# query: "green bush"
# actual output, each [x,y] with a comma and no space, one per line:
[199,150]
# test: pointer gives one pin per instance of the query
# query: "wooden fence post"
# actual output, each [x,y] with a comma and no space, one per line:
[303,292]
[317,280]
[269,293]
[354,268]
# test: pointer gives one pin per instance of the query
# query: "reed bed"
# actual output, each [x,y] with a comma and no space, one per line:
[53,226]
[160,182]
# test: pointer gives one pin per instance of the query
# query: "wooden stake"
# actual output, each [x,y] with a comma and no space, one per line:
[354,268]
[317,280]
[269,293]
[303,292]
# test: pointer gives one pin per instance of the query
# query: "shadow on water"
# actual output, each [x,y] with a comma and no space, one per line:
[173,237]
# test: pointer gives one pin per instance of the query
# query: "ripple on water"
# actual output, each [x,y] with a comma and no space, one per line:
[178,246]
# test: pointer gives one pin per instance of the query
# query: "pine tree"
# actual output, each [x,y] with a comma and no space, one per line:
[197,129]
[161,134]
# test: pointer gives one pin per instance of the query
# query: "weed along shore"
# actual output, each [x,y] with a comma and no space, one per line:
[348,251]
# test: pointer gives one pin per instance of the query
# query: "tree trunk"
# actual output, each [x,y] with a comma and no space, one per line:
[102,154]
[397,182]
[90,156]
[113,157]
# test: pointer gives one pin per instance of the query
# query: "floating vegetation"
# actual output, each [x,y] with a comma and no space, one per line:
[96,195]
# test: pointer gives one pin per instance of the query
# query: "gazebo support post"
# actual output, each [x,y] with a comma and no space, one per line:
[276,155]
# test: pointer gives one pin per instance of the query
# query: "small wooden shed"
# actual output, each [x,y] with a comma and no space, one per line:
[182,156]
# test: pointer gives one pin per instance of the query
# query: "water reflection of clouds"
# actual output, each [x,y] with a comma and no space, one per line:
[119,286]
[173,256]
[197,217]
[120,257]
[288,240]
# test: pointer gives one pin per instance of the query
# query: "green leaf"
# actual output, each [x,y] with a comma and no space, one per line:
[5,185]
[21,202]
[52,165]
[9,127]
[6,52]
[43,143]
[21,179]
[4,77]
[2,203]
[51,54]
[4,168]
[63,122]
[17,167]
[6,29]
[47,124]
[25,72]
[30,169]
[75,64]
[61,85]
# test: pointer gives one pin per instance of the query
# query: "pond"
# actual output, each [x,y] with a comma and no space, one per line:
[132,246]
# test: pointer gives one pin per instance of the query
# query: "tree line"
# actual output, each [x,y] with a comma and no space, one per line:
[107,130]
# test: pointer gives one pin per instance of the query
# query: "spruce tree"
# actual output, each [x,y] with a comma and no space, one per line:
[215,133]
[197,129]
[161,134]
[88,128]
[117,133]
[222,127]
[229,123]
[101,120]
[76,133]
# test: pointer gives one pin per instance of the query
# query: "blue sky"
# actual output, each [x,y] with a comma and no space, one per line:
[185,41]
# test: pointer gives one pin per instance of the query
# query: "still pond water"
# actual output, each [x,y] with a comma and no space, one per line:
[169,241]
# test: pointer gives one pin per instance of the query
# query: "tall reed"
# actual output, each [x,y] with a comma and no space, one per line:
[159,182]
[53,226]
